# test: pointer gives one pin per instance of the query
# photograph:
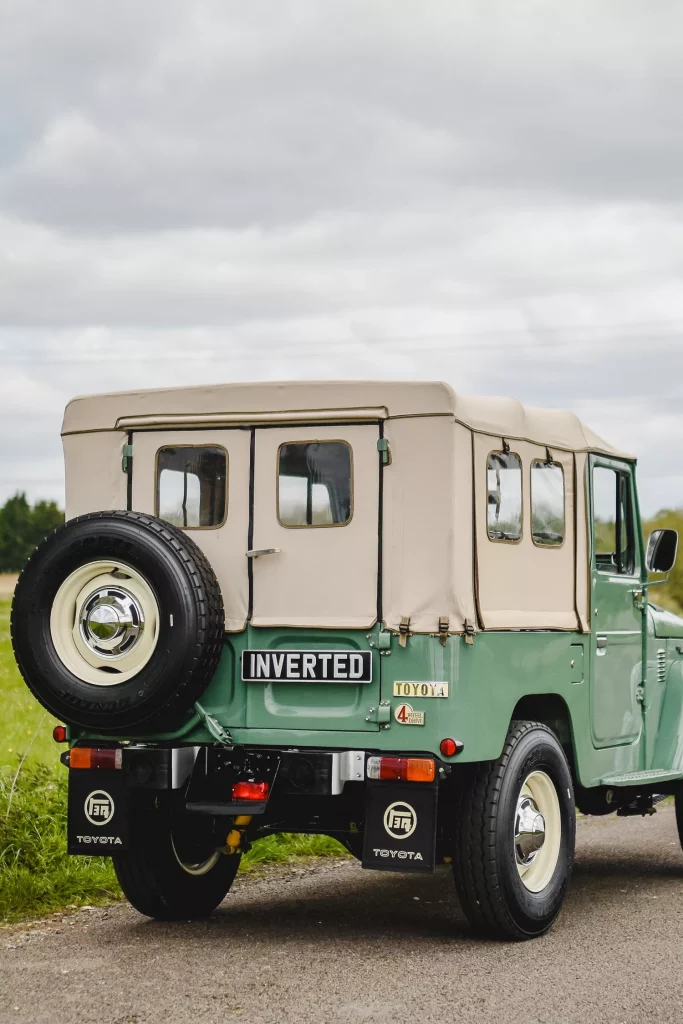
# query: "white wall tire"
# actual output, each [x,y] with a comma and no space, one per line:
[91,661]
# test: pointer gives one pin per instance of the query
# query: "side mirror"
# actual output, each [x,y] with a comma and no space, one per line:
[661,550]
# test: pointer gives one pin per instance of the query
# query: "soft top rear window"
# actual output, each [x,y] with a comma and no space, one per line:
[314,484]
[192,486]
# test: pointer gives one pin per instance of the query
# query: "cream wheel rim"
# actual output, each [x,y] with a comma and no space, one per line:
[202,867]
[537,831]
[104,623]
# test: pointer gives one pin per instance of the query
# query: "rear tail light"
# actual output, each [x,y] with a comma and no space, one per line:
[59,734]
[402,769]
[449,747]
[250,791]
[95,757]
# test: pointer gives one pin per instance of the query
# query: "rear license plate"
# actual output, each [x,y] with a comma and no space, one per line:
[98,812]
[307,666]
[400,827]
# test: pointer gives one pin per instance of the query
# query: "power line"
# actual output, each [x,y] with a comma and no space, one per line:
[466,333]
[302,348]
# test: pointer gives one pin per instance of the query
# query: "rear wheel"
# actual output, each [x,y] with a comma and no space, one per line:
[173,870]
[514,844]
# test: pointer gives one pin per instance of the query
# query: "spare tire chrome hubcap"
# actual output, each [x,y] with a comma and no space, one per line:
[104,623]
[111,621]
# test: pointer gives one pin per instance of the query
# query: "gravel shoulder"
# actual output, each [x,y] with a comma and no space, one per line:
[333,943]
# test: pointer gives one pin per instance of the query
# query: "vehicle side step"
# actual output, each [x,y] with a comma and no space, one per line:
[634,778]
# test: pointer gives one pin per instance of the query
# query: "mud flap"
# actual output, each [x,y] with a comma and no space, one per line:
[98,812]
[400,826]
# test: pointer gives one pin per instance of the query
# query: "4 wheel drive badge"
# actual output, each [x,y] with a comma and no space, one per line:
[406,716]
[99,807]
[400,820]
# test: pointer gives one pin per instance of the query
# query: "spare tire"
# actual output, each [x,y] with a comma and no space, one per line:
[117,622]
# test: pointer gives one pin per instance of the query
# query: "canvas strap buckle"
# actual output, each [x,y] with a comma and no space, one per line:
[469,632]
[443,630]
[404,631]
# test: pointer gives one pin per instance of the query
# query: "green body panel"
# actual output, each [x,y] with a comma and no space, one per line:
[666,624]
[665,690]
[487,680]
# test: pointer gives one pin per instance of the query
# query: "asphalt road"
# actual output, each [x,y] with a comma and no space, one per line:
[337,944]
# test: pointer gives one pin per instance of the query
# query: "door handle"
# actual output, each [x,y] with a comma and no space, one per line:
[257,552]
[601,643]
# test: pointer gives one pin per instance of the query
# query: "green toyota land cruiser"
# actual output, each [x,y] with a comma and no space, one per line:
[412,620]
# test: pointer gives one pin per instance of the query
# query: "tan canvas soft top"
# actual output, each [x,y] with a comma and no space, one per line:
[320,401]
[438,561]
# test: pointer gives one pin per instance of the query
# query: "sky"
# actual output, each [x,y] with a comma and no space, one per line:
[486,192]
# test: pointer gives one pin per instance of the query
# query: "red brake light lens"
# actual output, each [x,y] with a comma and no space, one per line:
[391,768]
[250,791]
[402,769]
[96,757]
[449,747]
[59,734]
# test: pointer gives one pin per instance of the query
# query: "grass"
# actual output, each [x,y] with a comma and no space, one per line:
[25,726]
[36,874]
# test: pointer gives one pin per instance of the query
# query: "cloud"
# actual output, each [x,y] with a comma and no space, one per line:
[212,113]
[489,194]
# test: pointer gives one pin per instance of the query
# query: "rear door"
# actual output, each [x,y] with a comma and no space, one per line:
[314,553]
[199,480]
[316,504]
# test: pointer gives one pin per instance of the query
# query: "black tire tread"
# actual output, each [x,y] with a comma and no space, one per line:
[678,802]
[474,860]
[155,885]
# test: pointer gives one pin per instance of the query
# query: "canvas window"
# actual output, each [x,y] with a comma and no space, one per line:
[315,484]
[547,504]
[192,486]
[504,508]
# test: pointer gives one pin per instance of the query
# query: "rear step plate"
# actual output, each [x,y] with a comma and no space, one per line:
[653,775]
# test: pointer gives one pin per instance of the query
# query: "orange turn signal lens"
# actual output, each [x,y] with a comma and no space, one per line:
[420,769]
[402,769]
[80,757]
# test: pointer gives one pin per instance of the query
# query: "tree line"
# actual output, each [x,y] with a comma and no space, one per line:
[22,527]
[670,595]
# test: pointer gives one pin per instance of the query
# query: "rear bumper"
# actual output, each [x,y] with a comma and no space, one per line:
[390,825]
